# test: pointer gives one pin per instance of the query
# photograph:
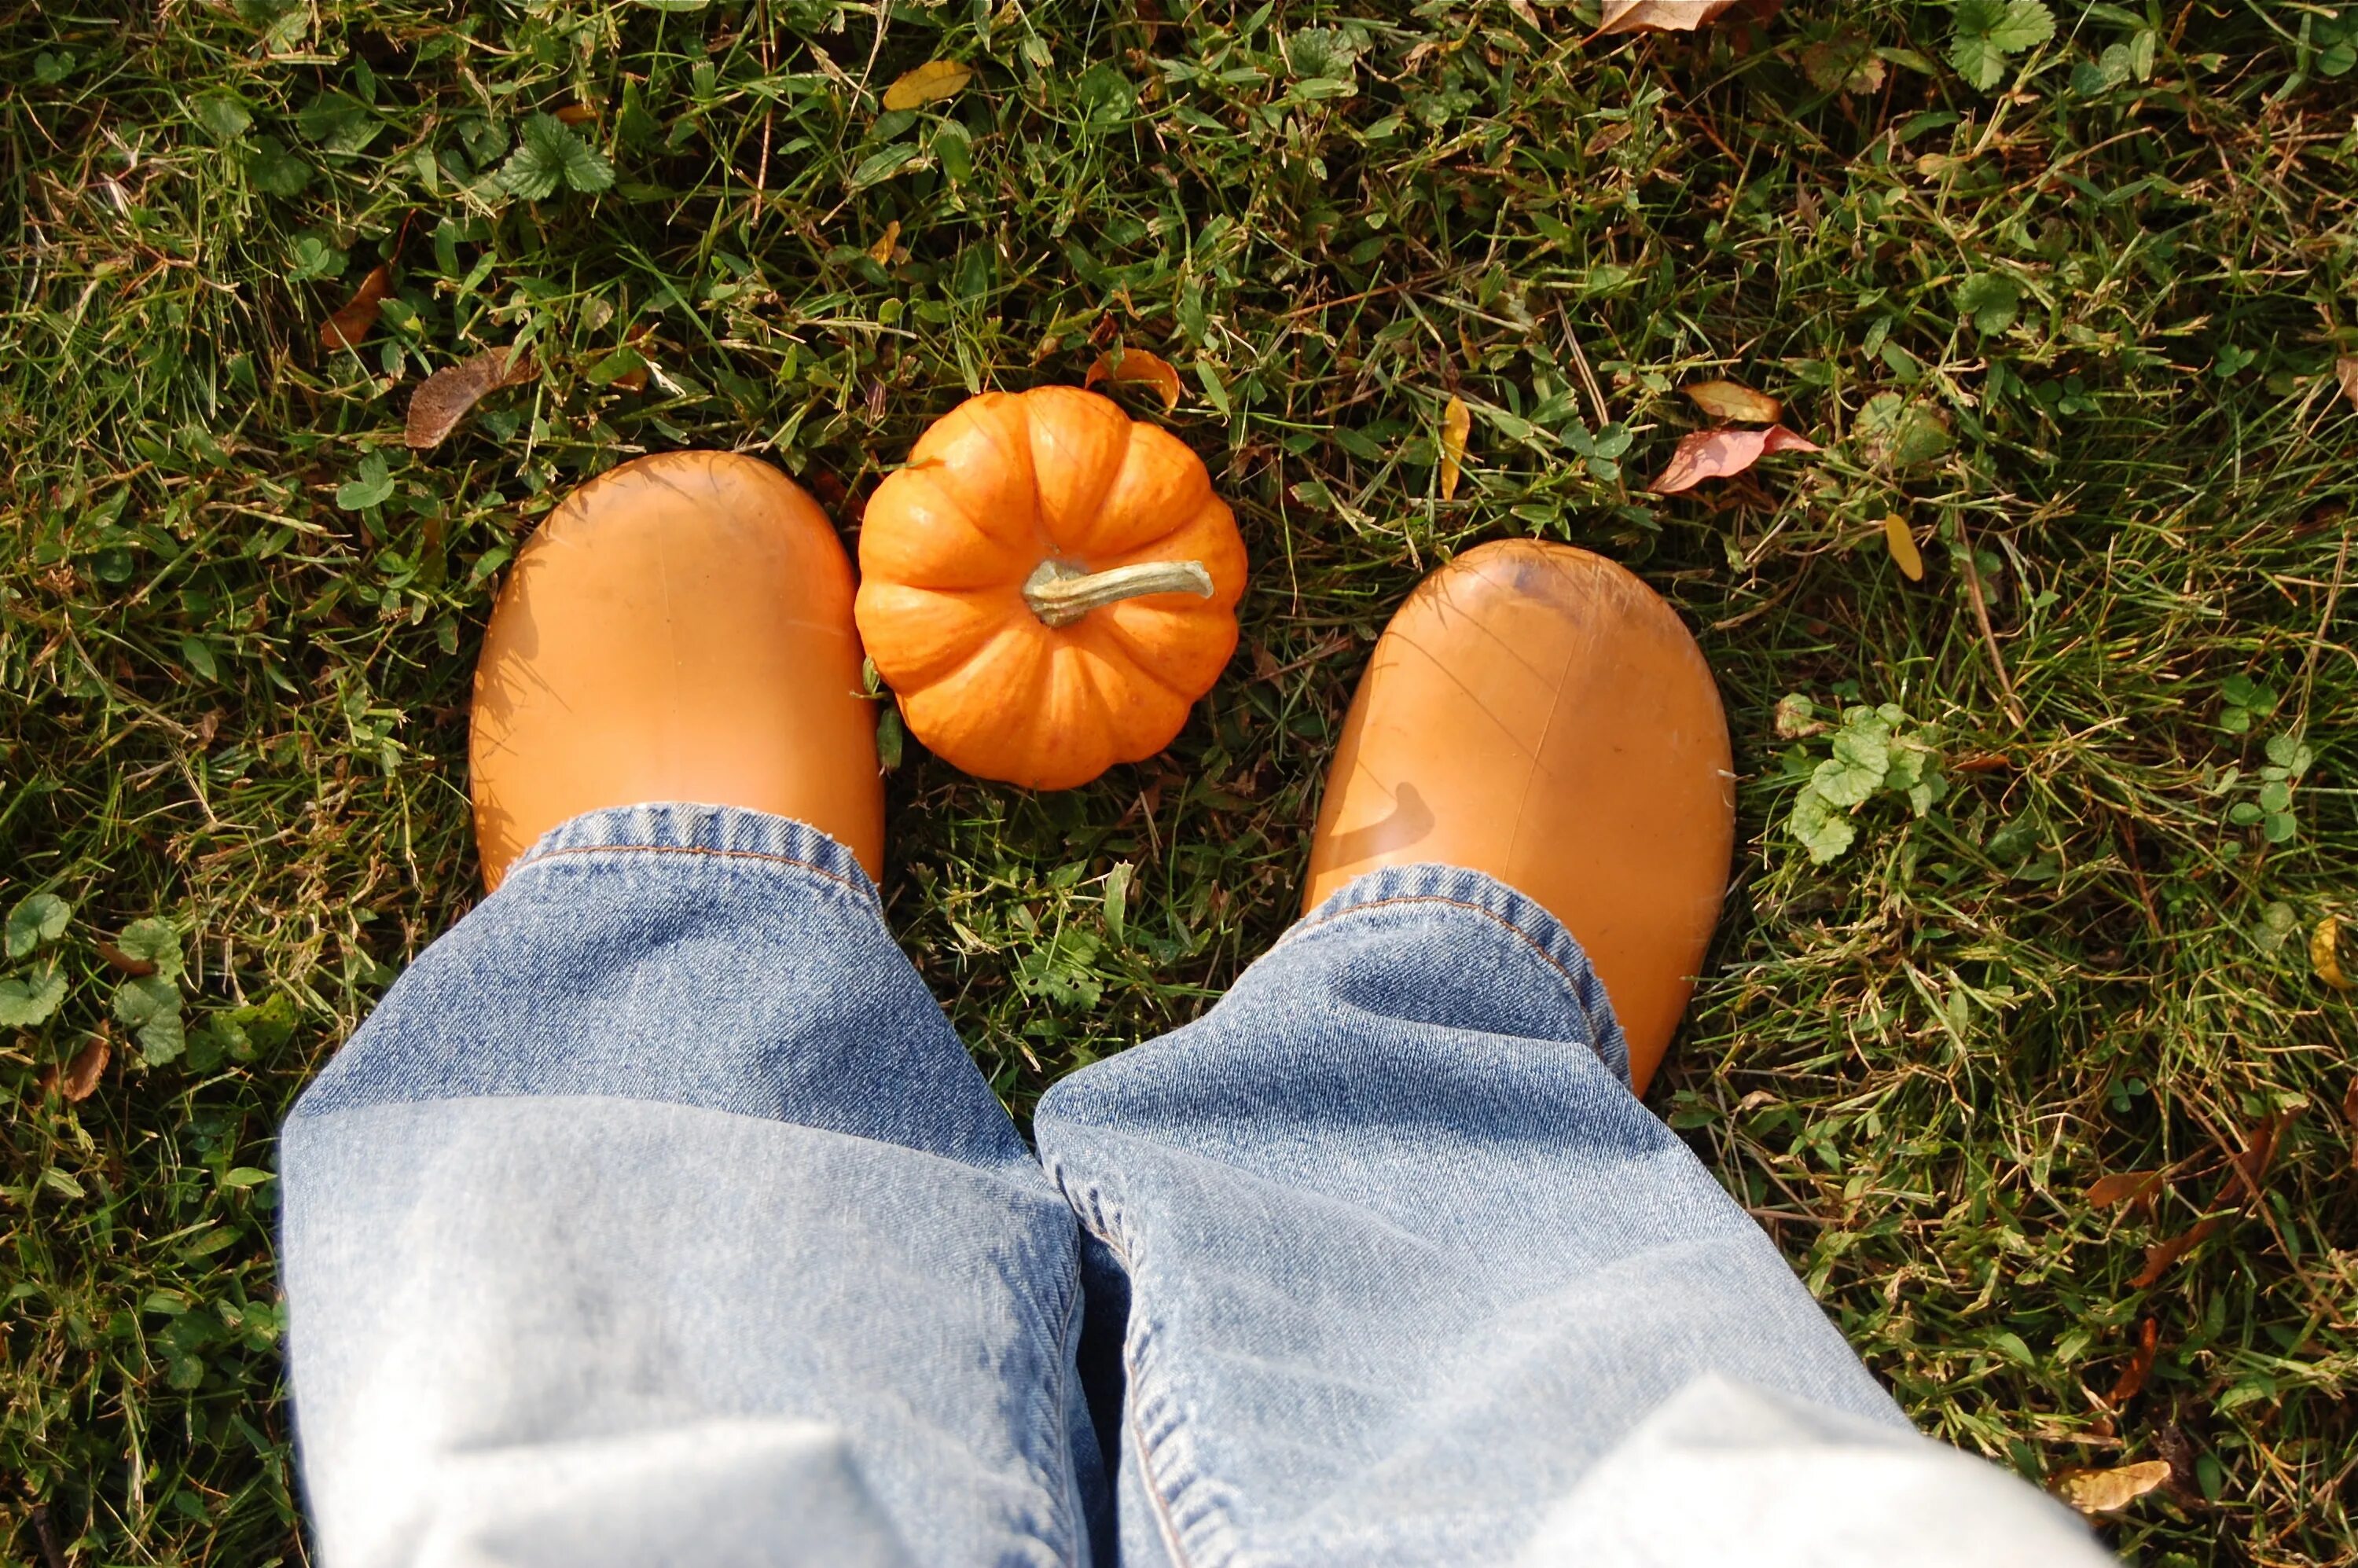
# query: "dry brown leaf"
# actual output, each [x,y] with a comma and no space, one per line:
[1902,545]
[2345,371]
[1718,454]
[1138,366]
[1734,400]
[2125,1187]
[79,1080]
[635,378]
[1844,63]
[2108,1491]
[118,959]
[445,398]
[2350,1104]
[2324,953]
[2159,1257]
[1659,15]
[1456,424]
[929,83]
[1614,134]
[356,318]
[2260,1151]
[2138,1367]
[881,251]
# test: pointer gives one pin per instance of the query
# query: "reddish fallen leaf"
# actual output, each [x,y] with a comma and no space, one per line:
[356,318]
[2159,1257]
[1659,16]
[1718,454]
[1137,365]
[2350,1104]
[79,1080]
[1982,762]
[446,397]
[119,959]
[2108,1491]
[2126,1186]
[2138,1367]
[1734,400]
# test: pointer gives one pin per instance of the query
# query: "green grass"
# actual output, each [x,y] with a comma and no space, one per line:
[2078,329]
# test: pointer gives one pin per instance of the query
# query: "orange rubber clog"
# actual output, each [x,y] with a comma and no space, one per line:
[679,629]
[1538,713]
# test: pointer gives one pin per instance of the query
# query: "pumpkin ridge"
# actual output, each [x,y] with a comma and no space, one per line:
[888,599]
[988,426]
[1160,469]
[1083,518]
[926,556]
[1068,666]
[1126,649]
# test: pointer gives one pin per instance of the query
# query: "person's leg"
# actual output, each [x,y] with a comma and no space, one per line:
[1401,1259]
[657,1216]
[1404,1255]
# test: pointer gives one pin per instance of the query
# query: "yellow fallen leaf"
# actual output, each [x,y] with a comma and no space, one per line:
[2345,371]
[882,249]
[1904,552]
[1734,400]
[929,83]
[2324,953]
[2109,1492]
[1659,15]
[1457,424]
[1137,365]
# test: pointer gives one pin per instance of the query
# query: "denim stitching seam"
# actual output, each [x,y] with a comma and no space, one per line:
[1089,1205]
[1068,1483]
[1156,1491]
[539,857]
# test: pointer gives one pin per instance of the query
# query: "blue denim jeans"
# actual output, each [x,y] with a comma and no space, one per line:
[658,1216]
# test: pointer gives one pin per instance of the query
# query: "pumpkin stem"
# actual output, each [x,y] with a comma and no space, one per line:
[1060,595]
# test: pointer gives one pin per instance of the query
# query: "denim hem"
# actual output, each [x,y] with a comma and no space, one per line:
[682,827]
[1455,891]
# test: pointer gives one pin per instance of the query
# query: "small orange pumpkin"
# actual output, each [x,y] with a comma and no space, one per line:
[1047,586]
